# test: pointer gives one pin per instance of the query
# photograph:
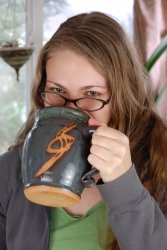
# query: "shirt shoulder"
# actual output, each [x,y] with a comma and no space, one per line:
[10,173]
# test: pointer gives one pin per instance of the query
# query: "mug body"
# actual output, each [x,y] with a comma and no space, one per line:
[54,156]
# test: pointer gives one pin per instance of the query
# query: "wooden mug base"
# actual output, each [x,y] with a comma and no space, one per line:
[51,196]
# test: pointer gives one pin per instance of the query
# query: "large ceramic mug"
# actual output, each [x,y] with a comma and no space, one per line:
[55,169]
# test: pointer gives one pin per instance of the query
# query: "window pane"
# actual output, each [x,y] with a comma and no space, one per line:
[12,96]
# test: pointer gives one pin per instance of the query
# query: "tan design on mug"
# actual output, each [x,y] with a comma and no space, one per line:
[66,141]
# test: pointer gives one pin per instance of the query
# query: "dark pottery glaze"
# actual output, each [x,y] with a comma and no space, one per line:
[54,157]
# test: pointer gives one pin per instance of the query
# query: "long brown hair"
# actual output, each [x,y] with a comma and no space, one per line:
[103,42]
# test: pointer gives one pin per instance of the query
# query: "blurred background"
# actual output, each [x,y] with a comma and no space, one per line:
[25,25]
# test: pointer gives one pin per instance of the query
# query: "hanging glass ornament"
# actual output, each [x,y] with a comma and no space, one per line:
[14,55]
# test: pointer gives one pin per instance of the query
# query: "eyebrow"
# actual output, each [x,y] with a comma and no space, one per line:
[59,85]
[83,88]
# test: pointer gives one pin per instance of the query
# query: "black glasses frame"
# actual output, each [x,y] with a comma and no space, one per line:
[75,101]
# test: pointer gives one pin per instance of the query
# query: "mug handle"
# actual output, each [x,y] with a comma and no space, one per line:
[87,179]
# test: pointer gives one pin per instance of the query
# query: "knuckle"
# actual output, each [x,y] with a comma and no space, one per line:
[125,139]
[100,130]
[90,158]
[92,149]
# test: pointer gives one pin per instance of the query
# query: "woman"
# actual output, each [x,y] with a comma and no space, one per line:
[90,57]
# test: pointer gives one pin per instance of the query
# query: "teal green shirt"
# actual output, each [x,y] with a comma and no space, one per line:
[90,232]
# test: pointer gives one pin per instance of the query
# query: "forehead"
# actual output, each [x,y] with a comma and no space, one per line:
[68,67]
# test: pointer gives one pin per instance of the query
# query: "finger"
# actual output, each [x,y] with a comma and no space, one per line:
[101,152]
[105,142]
[114,155]
[103,166]
[110,133]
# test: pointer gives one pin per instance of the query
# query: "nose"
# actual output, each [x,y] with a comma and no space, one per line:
[70,104]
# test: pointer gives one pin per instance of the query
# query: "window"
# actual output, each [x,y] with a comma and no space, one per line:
[12,91]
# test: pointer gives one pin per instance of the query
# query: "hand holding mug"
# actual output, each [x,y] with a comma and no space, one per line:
[110,153]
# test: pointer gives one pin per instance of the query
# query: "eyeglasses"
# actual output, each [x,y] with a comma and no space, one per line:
[85,104]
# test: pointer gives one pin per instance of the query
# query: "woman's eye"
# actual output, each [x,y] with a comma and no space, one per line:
[92,93]
[57,90]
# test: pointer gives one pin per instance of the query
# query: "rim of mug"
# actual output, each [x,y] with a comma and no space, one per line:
[59,112]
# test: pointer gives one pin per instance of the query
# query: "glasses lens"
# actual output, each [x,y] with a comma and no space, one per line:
[52,99]
[89,104]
